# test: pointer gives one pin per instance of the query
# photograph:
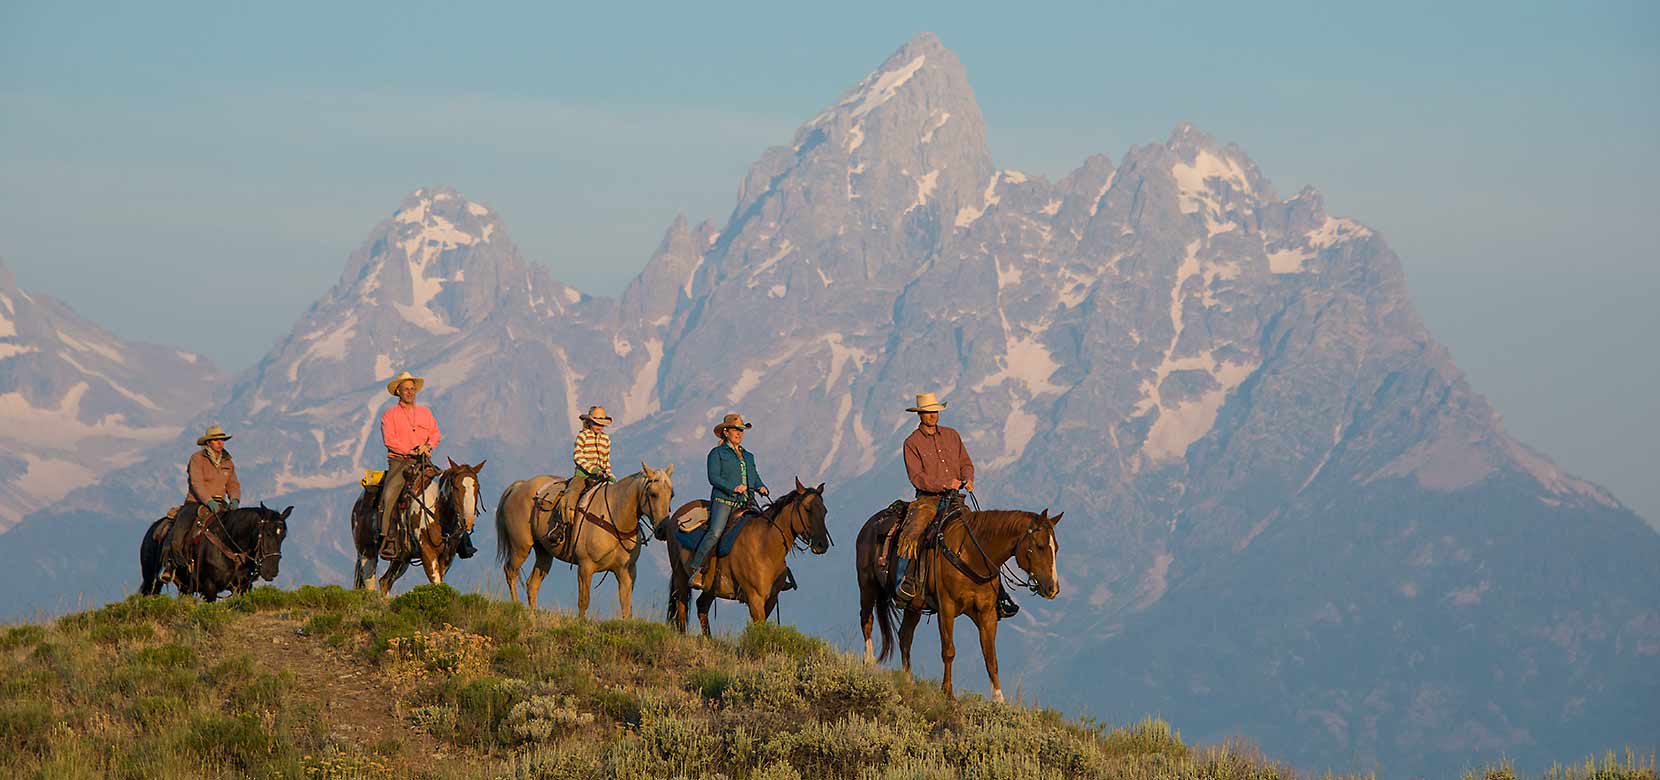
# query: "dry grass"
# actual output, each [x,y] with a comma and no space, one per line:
[440,685]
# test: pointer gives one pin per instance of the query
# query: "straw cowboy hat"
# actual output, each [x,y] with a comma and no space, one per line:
[214,433]
[927,402]
[392,386]
[733,420]
[596,415]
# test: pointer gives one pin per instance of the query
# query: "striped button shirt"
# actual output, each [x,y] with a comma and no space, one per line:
[592,452]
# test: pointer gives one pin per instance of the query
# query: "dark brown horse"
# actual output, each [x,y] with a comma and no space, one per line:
[441,512]
[240,544]
[961,575]
[754,572]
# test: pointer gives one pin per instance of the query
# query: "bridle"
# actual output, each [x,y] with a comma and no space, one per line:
[449,496]
[797,540]
[1011,577]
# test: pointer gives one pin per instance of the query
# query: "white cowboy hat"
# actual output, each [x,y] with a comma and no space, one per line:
[927,402]
[214,433]
[733,420]
[392,386]
[597,415]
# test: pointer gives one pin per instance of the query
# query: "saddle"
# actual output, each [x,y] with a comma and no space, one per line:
[692,520]
[416,480]
[547,500]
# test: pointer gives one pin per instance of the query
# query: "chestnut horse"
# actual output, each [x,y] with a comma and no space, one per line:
[754,571]
[962,568]
[607,538]
[441,512]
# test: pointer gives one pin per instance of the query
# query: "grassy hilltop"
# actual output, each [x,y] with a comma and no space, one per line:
[331,683]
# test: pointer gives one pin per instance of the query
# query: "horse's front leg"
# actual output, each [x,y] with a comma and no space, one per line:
[867,610]
[433,567]
[394,570]
[704,600]
[625,590]
[948,643]
[364,574]
[584,581]
[907,632]
[986,619]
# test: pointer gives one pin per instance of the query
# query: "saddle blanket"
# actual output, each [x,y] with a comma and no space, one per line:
[691,539]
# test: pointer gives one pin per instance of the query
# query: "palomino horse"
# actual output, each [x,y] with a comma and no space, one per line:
[241,545]
[441,512]
[606,536]
[754,571]
[962,570]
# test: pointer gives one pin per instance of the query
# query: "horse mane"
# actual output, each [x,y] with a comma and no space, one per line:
[1000,521]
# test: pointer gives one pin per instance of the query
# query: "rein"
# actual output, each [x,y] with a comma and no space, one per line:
[998,569]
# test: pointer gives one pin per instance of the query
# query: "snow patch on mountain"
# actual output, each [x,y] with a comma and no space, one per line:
[939,122]
[103,350]
[135,397]
[61,427]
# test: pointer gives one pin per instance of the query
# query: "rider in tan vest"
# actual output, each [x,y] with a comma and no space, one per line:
[938,466]
[211,485]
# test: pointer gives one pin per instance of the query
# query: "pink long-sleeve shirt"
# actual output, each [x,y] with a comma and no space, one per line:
[405,428]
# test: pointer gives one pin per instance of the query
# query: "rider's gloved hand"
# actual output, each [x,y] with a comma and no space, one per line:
[232,503]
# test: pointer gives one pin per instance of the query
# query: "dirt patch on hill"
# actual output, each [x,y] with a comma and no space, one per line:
[358,706]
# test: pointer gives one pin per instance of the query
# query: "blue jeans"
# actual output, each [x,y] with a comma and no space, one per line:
[719,513]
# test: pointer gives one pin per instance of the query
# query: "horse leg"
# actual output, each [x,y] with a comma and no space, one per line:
[533,584]
[986,620]
[584,581]
[431,565]
[511,564]
[948,643]
[867,609]
[364,572]
[704,601]
[757,607]
[394,570]
[625,590]
[907,632]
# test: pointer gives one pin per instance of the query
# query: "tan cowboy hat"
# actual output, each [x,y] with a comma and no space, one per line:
[596,415]
[392,386]
[927,402]
[733,420]
[214,433]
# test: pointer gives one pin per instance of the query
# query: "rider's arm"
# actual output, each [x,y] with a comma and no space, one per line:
[918,474]
[233,486]
[386,435]
[197,471]
[755,482]
[966,473]
[432,439]
[717,472]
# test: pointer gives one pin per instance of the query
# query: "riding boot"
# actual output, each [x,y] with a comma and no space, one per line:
[1006,608]
[906,589]
[466,548]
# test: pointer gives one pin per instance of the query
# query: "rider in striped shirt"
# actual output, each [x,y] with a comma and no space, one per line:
[591,455]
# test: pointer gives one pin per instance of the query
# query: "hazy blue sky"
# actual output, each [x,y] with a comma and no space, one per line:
[171,168]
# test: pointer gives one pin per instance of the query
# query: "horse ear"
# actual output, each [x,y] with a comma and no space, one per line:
[451,460]
[1056,519]
[669,472]
[820,488]
[644,469]
[287,512]
[480,466]
[262,505]
[799,488]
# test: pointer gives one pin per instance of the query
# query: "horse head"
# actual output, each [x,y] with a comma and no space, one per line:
[657,493]
[1036,551]
[463,491]
[273,528]
[814,512]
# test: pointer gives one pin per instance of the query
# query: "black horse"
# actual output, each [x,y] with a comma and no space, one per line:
[251,540]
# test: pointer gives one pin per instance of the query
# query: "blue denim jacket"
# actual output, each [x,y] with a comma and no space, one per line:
[726,473]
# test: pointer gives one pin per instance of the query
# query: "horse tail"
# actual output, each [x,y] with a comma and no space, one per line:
[886,615]
[504,545]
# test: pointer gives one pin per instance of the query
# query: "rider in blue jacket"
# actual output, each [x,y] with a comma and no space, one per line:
[732,478]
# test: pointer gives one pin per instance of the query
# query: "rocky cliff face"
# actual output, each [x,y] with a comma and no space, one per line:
[77,401]
[1289,516]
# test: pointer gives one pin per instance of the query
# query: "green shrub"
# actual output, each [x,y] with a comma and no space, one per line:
[167,656]
[763,639]
[545,719]
[431,604]
[621,706]
[239,740]
[513,661]
[260,691]
[1152,736]
[211,618]
[710,683]
[24,725]
[121,633]
[323,624]
[264,597]
[330,597]
[21,636]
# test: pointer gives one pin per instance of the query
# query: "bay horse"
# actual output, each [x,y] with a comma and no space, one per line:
[754,572]
[606,536]
[963,568]
[242,544]
[441,513]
